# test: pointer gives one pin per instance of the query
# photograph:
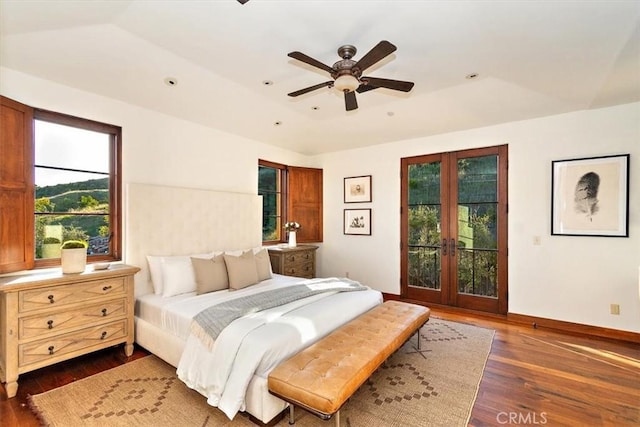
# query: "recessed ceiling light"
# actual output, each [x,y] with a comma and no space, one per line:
[471,76]
[278,123]
[267,82]
[171,81]
[315,108]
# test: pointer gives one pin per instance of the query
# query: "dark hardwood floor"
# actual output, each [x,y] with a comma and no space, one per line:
[532,377]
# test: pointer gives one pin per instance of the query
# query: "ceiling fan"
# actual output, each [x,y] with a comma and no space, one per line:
[347,73]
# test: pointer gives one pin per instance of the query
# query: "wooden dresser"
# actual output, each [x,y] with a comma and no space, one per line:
[49,317]
[299,261]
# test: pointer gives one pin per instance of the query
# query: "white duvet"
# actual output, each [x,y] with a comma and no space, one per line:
[257,343]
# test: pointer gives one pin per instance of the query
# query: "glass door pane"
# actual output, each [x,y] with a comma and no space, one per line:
[424,225]
[477,242]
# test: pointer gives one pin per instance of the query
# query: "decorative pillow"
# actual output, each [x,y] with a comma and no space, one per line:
[211,274]
[255,250]
[263,265]
[156,268]
[241,269]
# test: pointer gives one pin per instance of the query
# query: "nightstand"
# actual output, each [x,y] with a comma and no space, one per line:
[299,261]
[48,317]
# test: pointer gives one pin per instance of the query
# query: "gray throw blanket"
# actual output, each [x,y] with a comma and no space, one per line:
[208,324]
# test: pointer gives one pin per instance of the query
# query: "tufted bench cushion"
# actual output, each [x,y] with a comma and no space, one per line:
[323,376]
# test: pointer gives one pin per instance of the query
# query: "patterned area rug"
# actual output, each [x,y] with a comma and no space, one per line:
[435,385]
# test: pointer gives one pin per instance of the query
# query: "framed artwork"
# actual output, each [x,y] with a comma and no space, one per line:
[357,189]
[357,221]
[590,196]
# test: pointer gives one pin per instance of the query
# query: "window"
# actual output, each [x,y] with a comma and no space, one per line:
[75,185]
[271,185]
[60,178]
[290,194]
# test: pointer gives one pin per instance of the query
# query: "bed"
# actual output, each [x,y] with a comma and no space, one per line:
[177,223]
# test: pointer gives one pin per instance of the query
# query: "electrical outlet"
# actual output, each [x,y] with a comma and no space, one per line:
[615,309]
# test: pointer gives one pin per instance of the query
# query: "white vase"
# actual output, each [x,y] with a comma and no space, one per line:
[292,239]
[73,260]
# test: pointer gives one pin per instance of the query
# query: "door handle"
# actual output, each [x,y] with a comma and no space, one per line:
[444,247]
[453,247]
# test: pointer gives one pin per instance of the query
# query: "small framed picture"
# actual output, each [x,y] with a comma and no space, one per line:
[357,221]
[590,196]
[357,189]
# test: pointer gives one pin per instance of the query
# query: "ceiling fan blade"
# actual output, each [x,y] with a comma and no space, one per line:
[379,51]
[310,88]
[350,101]
[386,83]
[365,88]
[309,60]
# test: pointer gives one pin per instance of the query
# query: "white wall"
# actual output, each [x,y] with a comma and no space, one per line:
[157,149]
[566,278]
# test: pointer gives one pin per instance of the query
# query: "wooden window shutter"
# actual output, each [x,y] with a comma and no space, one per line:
[305,202]
[16,186]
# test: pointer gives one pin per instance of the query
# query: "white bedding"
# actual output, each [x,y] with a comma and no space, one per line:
[253,345]
[174,314]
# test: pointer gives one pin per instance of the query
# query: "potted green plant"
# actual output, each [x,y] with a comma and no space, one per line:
[73,256]
[51,247]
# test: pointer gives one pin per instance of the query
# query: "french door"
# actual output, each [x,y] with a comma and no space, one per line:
[454,229]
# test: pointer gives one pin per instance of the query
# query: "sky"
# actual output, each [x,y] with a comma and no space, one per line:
[71,148]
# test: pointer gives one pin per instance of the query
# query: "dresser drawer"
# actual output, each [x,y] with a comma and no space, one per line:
[298,258]
[68,294]
[56,322]
[300,269]
[298,261]
[74,342]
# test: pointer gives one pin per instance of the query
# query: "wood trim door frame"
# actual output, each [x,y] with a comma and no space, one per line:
[448,293]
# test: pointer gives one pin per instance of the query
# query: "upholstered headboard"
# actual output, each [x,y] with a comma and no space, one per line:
[163,220]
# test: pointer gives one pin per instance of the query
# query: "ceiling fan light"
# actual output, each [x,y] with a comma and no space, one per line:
[346,83]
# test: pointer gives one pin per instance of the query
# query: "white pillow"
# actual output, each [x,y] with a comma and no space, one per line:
[156,269]
[177,277]
[155,272]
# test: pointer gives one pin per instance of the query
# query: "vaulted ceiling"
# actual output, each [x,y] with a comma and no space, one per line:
[530,58]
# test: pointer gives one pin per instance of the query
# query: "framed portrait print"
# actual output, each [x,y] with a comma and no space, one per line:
[590,196]
[357,189]
[357,221]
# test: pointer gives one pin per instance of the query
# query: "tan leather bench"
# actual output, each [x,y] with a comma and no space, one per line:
[322,377]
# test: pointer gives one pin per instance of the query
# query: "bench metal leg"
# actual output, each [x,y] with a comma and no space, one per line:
[292,418]
[337,419]
[419,348]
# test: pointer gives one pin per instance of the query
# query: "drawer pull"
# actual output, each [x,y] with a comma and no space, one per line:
[50,324]
[50,350]
[103,335]
[104,312]
[51,299]
[106,288]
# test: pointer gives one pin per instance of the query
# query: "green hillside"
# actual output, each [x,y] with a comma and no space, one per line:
[73,211]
